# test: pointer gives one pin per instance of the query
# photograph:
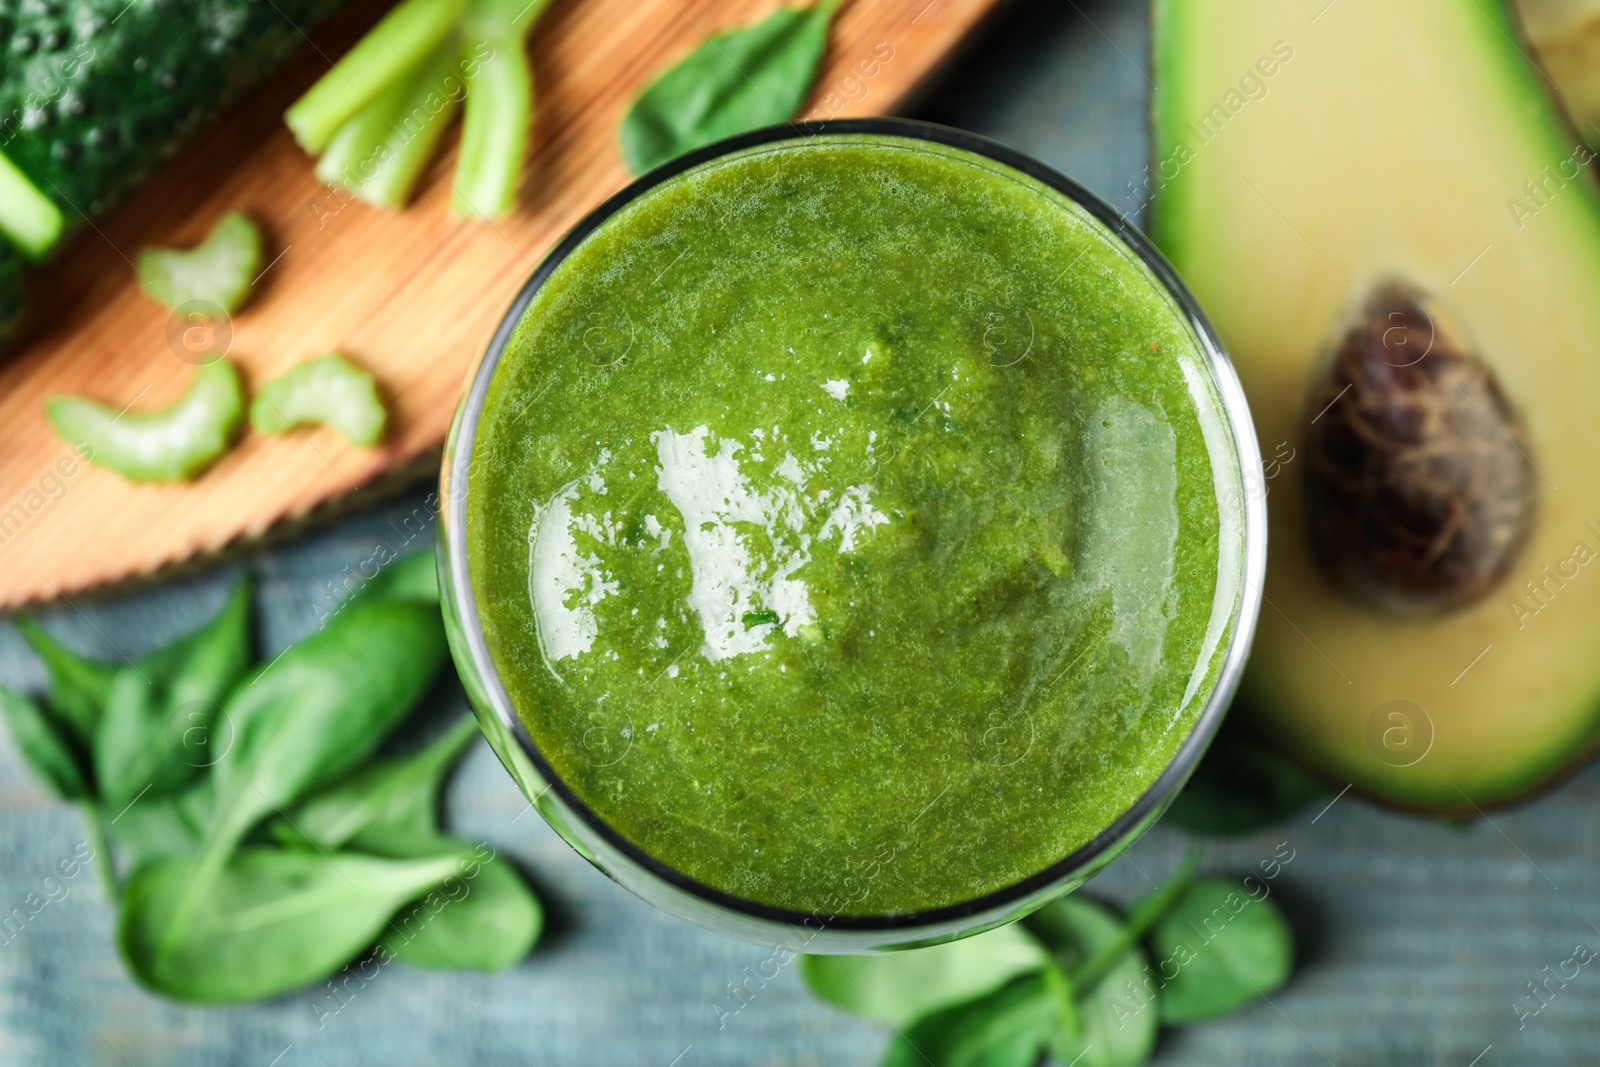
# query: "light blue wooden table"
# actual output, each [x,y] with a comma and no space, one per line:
[1417,939]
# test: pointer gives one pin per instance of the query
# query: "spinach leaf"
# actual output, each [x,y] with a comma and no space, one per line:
[900,987]
[1239,788]
[78,685]
[270,921]
[386,806]
[321,707]
[45,746]
[1119,1014]
[413,577]
[737,81]
[1227,948]
[485,919]
[1059,928]
[1009,1027]
[310,715]
[155,733]
[162,828]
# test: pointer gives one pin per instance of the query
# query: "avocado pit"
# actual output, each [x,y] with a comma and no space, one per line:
[1420,489]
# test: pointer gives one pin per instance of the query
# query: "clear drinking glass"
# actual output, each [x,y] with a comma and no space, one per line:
[655,881]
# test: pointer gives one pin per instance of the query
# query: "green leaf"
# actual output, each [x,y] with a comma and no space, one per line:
[1120,1015]
[329,390]
[413,577]
[170,444]
[132,752]
[900,987]
[1223,948]
[44,745]
[78,685]
[738,81]
[157,731]
[386,806]
[1059,928]
[164,828]
[94,832]
[484,918]
[322,706]
[217,271]
[1239,788]
[271,921]
[310,715]
[1009,1027]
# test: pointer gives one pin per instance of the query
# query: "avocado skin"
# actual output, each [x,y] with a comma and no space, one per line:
[95,94]
[1255,718]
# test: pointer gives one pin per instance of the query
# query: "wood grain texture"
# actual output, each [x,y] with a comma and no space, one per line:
[411,295]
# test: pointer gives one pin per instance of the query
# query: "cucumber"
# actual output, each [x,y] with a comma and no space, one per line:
[95,94]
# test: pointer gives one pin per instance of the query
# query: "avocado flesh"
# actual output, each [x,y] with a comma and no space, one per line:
[1394,143]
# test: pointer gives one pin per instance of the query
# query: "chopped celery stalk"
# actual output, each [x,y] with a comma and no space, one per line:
[218,271]
[377,117]
[353,146]
[494,129]
[489,19]
[329,390]
[425,110]
[170,444]
[410,32]
[28,217]
[361,144]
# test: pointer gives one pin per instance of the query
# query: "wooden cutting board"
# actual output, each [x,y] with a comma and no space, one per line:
[412,295]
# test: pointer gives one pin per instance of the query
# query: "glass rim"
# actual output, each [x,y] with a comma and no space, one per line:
[1236,416]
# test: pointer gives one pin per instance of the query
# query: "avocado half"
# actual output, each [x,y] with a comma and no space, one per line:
[1398,240]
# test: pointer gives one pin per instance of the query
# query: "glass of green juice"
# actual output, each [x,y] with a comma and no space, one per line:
[847,542]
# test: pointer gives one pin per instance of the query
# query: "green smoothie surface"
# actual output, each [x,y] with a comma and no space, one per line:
[854,525]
